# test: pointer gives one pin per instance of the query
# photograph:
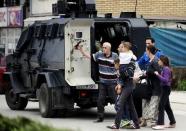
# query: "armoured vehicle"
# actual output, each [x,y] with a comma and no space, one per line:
[46,66]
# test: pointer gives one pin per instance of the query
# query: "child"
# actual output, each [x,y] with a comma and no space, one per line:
[126,117]
[125,53]
[164,105]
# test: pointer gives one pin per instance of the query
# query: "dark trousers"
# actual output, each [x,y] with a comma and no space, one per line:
[164,105]
[126,98]
[126,115]
[105,90]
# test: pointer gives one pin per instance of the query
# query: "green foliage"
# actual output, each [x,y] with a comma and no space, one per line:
[181,85]
[24,124]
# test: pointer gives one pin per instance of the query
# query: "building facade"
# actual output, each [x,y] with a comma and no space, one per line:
[41,7]
[11,23]
[145,8]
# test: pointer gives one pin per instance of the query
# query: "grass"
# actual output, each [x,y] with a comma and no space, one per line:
[24,124]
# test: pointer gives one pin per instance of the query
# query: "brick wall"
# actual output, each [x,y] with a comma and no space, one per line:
[147,8]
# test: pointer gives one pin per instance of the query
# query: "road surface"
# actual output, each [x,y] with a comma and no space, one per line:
[82,120]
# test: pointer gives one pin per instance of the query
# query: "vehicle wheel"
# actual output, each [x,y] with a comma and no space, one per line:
[45,101]
[62,113]
[85,106]
[14,101]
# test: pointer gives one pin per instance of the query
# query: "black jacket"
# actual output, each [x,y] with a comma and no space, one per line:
[127,71]
[152,79]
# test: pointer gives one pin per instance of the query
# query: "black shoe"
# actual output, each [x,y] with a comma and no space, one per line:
[98,120]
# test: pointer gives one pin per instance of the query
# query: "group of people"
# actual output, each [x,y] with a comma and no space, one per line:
[117,78]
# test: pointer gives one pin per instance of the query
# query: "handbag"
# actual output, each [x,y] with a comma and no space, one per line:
[143,90]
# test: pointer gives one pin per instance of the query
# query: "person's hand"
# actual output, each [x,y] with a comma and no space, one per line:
[80,48]
[117,87]
[156,73]
[119,91]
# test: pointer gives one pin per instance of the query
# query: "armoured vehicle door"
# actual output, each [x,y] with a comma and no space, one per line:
[77,66]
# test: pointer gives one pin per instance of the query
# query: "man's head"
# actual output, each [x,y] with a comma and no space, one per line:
[106,48]
[149,41]
[150,50]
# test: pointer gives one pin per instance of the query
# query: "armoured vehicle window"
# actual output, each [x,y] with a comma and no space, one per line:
[51,30]
[39,31]
[79,35]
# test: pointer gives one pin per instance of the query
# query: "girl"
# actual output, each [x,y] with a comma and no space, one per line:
[164,105]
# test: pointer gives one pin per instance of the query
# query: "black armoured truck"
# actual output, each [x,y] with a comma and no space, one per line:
[46,65]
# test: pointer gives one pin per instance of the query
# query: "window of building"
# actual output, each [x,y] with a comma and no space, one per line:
[9,38]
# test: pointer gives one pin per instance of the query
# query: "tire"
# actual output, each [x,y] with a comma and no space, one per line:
[14,101]
[45,101]
[62,113]
[85,106]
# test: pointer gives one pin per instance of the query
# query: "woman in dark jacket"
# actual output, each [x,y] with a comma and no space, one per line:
[126,77]
[150,107]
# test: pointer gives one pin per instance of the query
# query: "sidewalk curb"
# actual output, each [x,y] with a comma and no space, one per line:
[178,102]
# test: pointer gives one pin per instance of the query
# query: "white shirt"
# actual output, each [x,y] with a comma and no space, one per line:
[125,57]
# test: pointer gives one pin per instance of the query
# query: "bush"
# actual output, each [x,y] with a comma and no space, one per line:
[24,124]
[181,85]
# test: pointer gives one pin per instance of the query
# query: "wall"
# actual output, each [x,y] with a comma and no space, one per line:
[41,7]
[147,8]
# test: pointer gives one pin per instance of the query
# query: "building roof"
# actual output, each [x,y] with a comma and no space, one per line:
[166,18]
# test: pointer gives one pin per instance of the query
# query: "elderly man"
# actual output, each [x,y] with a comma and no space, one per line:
[107,76]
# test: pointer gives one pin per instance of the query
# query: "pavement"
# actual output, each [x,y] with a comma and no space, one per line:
[82,120]
[178,97]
